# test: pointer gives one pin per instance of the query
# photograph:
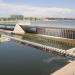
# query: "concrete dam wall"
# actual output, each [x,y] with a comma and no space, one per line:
[50,31]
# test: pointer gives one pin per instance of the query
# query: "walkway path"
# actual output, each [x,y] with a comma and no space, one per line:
[67,70]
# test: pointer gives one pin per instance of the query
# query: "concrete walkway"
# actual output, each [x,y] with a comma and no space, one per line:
[4,39]
[66,70]
[5,31]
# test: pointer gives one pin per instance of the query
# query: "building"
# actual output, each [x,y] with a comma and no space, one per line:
[17,17]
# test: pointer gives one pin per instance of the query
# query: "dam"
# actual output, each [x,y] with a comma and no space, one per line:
[58,34]
[40,37]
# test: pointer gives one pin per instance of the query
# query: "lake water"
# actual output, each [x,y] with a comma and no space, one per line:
[56,23]
[19,59]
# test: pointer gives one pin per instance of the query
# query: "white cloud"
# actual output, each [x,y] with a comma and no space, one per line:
[7,9]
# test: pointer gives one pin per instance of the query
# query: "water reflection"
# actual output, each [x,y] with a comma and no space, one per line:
[18,59]
[49,60]
[45,41]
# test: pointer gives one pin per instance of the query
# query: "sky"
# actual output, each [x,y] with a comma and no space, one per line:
[38,8]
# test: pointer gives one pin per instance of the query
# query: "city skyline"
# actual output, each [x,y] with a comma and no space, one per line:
[39,8]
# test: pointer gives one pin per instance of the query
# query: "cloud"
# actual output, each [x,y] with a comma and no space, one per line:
[8,9]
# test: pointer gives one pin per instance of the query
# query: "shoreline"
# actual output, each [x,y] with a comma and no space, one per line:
[66,70]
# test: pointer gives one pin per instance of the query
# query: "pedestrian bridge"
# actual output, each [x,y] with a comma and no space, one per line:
[10,25]
[13,22]
[8,22]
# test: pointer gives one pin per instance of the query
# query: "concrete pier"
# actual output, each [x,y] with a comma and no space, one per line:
[4,39]
[66,70]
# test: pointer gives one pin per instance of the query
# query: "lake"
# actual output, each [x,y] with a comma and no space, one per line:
[55,23]
[19,59]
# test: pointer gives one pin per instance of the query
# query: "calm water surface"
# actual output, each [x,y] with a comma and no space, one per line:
[56,23]
[19,59]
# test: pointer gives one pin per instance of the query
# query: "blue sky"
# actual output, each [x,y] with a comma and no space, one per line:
[38,8]
[45,3]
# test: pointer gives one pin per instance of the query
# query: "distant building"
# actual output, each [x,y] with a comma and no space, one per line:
[17,17]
